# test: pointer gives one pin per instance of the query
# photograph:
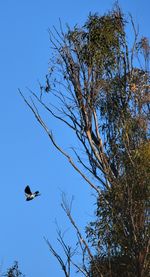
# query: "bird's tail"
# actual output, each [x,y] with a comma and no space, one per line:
[37,193]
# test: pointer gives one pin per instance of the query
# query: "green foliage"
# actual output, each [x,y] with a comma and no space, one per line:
[100,40]
[120,232]
[100,68]
[14,271]
[104,97]
[104,35]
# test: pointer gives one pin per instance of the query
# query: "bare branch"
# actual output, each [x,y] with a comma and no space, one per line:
[38,117]
[66,208]
[58,257]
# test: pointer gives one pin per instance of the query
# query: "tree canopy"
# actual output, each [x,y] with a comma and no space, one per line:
[13,271]
[101,83]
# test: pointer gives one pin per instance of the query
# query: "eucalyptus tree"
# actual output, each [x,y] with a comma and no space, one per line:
[100,79]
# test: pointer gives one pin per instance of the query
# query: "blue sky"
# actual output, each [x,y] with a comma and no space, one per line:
[27,157]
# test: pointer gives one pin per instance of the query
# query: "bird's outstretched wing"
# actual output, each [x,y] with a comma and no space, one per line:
[27,190]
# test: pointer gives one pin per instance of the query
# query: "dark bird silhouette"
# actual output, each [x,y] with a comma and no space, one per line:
[30,195]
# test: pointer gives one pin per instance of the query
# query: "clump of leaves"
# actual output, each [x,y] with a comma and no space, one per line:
[14,271]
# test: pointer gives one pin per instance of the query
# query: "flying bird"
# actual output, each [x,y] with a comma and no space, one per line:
[30,195]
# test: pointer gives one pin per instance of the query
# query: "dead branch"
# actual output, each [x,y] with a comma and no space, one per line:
[49,133]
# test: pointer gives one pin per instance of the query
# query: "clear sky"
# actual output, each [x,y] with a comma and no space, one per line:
[26,155]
